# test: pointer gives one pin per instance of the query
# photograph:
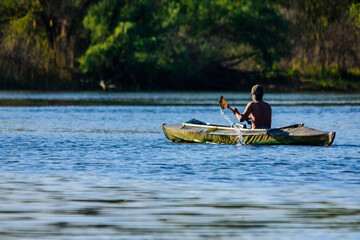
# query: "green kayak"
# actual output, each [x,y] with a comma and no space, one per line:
[199,132]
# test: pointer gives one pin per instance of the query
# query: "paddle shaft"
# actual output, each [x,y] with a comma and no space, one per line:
[233,110]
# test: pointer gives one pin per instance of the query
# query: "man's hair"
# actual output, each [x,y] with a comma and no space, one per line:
[257,92]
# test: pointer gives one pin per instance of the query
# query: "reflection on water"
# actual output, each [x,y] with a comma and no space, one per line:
[107,172]
[175,98]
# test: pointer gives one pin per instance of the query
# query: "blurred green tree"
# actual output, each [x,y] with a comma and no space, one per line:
[39,41]
[136,43]
[326,34]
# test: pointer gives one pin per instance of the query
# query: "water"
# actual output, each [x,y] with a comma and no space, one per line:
[236,127]
[97,166]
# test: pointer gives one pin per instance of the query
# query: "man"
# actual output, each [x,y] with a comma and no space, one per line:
[258,111]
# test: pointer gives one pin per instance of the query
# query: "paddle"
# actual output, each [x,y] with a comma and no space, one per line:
[224,105]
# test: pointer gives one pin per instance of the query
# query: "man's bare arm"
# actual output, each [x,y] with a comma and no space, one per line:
[245,116]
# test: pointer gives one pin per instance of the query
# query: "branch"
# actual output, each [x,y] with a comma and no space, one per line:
[234,61]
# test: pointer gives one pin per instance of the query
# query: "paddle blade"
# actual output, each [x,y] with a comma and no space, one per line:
[223,104]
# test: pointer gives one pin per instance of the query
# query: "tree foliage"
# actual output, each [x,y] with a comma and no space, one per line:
[326,33]
[179,40]
[39,39]
[155,44]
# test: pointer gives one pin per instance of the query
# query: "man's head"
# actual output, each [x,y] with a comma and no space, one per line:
[257,92]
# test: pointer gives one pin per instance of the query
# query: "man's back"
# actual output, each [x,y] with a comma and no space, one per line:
[260,114]
[258,111]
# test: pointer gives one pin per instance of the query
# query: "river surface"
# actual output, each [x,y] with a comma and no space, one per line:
[97,166]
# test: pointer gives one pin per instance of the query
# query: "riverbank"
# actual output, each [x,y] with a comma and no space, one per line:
[211,80]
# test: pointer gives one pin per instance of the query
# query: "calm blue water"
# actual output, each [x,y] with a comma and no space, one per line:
[107,171]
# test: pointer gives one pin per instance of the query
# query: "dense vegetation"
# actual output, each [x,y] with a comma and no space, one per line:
[180,44]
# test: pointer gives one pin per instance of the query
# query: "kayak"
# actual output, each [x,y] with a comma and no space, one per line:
[195,131]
